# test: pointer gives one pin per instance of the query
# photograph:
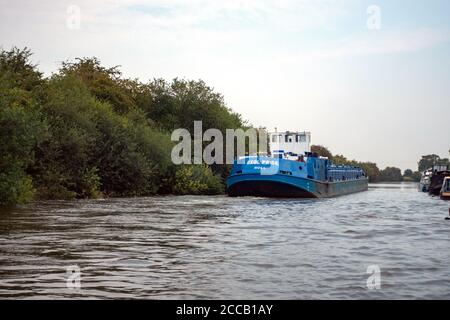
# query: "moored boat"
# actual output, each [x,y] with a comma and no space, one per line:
[445,190]
[436,181]
[424,184]
[293,171]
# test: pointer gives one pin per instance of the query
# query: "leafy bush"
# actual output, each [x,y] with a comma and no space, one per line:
[86,132]
[15,186]
[197,179]
[21,127]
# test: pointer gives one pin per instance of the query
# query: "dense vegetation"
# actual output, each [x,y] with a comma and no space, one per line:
[86,131]
[389,174]
[430,160]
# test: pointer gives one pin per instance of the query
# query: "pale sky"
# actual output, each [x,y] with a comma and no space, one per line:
[372,94]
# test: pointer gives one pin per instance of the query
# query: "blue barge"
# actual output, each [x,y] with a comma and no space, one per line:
[292,175]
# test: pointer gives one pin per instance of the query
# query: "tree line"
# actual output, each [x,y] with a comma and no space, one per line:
[388,174]
[86,131]
[430,160]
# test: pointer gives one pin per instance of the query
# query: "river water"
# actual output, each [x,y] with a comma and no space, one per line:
[231,248]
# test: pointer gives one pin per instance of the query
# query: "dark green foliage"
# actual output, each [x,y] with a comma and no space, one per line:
[19,131]
[197,179]
[63,168]
[411,176]
[180,103]
[132,157]
[371,169]
[104,83]
[391,174]
[21,127]
[416,176]
[17,73]
[86,131]
[321,151]
[430,160]
[91,148]
[408,173]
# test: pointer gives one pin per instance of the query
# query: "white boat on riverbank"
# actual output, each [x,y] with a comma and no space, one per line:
[425,180]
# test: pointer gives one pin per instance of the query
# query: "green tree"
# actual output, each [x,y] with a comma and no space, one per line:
[408,173]
[21,126]
[371,170]
[20,130]
[92,149]
[179,103]
[87,131]
[411,176]
[17,72]
[64,167]
[197,179]
[391,174]
[430,160]
[322,151]
[134,159]
[106,84]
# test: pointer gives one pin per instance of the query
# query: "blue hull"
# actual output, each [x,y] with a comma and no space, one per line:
[287,186]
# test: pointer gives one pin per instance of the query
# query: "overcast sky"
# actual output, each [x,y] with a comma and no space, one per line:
[372,83]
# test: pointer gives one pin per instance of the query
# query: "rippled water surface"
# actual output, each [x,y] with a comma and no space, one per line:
[219,247]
